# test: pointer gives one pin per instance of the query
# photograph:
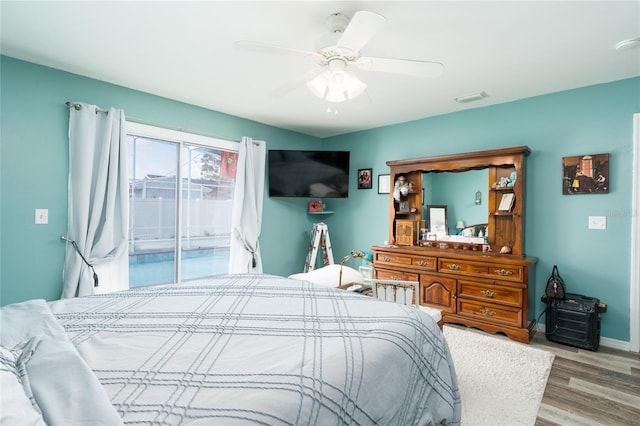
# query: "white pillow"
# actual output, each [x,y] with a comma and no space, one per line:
[436,314]
[329,276]
[17,404]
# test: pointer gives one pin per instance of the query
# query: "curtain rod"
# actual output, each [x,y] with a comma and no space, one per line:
[78,107]
[154,123]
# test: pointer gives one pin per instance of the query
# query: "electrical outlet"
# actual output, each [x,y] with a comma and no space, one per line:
[597,222]
[42,216]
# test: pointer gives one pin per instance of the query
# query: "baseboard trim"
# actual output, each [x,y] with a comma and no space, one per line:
[604,341]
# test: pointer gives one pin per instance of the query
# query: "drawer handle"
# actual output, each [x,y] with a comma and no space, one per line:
[386,259]
[395,278]
[487,312]
[454,267]
[488,293]
[422,263]
[503,272]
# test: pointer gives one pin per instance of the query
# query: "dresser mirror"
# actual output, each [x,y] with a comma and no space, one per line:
[464,183]
[457,191]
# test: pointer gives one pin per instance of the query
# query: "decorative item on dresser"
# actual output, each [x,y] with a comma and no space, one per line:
[479,282]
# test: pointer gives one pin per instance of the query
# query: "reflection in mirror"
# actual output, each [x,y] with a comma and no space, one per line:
[437,220]
[479,230]
[457,191]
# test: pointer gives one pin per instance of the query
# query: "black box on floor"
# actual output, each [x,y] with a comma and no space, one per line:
[574,321]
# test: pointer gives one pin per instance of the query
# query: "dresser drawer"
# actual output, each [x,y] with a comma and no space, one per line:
[482,269]
[426,263]
[419,262]
[491,293]
[393,259]
[385,274]
[490,312]
[507,273]
[463,267]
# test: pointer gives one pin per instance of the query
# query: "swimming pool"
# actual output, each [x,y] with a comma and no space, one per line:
[158,268]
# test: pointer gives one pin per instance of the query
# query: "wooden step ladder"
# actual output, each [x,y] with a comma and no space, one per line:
[319,239]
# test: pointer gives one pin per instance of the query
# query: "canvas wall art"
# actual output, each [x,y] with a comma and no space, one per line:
[585,174]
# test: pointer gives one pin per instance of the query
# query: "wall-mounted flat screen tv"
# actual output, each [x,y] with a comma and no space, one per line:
[313,174]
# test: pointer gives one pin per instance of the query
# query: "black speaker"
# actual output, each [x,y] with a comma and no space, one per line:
[574,321]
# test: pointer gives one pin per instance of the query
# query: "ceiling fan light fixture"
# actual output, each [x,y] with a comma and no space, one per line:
[334,96]
[336,84]
[318,86]
[355,87]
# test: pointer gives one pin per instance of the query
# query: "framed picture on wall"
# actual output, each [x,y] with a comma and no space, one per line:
[384,184]
[585,174]
[364,179]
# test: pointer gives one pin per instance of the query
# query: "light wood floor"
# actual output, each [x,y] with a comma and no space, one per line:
[590,388]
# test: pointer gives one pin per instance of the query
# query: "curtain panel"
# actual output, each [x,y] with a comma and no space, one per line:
[98,212]
[246,217]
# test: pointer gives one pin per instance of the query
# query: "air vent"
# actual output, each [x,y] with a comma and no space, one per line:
[471,98]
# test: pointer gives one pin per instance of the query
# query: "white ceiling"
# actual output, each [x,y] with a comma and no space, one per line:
[185,51]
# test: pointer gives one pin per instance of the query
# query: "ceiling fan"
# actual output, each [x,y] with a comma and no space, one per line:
[339,52]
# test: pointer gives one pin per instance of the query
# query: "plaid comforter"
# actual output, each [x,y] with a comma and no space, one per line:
[261,349]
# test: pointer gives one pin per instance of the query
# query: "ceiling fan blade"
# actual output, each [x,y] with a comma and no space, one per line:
[362,27]
[270,48]
[401,66]
[298,81]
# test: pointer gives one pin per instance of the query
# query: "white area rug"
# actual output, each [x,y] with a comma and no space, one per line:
[501,381]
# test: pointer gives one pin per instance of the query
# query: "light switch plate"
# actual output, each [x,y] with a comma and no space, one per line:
[597,222]
[42,216]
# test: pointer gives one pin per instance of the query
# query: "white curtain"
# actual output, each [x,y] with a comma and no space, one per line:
[98,201]
[246,217]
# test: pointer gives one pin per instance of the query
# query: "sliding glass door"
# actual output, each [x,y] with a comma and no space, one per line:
[180,204]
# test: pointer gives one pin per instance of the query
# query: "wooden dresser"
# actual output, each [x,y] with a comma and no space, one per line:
[483,290]
[486,290]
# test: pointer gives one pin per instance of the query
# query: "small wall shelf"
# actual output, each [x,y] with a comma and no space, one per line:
[321,213]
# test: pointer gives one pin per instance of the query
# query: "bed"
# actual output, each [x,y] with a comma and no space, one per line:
[231,350]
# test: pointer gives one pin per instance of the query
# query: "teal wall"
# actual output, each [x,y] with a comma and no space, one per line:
[595,119]
[591,120]
[34,167]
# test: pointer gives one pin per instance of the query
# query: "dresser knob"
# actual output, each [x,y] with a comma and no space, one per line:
[488,293]
[386,259]
[454,267]
[487,312]
[503,272]
[422,263]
